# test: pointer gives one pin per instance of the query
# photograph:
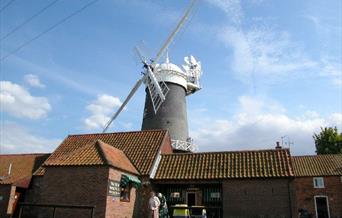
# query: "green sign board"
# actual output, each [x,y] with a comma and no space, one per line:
[114,188]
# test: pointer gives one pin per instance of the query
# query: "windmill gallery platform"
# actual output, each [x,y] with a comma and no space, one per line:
[112,174]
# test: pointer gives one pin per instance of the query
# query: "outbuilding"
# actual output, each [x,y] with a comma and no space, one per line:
[318,185]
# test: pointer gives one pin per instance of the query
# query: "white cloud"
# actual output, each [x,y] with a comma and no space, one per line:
[267,54]
[232,9]
[260,129]
[16,139]
[33,80]
[101,110]
[333,69]
[264,52]
[17,101]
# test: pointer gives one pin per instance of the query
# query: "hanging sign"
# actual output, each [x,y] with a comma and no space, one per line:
[114,188]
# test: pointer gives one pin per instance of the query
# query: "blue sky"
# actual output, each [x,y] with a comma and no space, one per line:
[270,69]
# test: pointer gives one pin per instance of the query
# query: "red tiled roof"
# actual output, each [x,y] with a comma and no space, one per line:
[141,147]
[95,153]
[225,165]
[318,165]
[23,166]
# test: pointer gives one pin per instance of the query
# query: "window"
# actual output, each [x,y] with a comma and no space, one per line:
[318,182]
[175,195]
[215,195]
[125,193]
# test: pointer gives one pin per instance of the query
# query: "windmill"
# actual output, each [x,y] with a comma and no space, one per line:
[167,84]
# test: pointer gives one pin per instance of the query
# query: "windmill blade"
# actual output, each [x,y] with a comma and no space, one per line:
[175,31]
[193,60]
[142,58]
[186,60]
[131,93]
[157,89]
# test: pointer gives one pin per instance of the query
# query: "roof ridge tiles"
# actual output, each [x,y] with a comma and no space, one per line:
[225,152]
[109,133]
[24,154]
[315,155]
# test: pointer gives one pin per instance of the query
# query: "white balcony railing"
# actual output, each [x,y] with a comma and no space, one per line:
[183,145]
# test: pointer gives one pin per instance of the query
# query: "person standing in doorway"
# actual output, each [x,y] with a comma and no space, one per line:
[154,204]
[163,211]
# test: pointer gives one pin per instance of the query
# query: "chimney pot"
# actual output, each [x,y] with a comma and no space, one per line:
[278,145]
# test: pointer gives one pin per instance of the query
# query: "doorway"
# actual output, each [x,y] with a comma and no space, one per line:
[322,207]
[191,199]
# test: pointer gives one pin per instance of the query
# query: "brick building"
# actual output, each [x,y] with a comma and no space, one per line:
[115,172]
[318,185]
[229,184]
[83,169]
[15,176]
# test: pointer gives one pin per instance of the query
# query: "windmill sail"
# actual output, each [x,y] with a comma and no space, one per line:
[157,89]
[131,93]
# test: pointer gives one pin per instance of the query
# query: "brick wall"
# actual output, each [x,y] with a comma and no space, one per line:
[5,191]
[305,192]
[166,147]
[256,198]
[84,186]
[115,207]
[75,185]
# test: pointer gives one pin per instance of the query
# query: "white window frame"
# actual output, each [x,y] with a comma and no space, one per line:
[322,196]
[318,178]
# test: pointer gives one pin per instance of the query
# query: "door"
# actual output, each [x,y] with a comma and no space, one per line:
[191,199]
[322,207]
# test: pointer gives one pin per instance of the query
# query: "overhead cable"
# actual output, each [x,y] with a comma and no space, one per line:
[29,19]
[48,30]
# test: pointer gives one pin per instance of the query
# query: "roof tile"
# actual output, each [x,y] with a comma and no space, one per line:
[318,165]
[225,165]
[141,147]
[95,153]
[23,166]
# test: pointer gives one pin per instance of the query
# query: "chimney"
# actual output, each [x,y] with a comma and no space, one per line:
[278,146]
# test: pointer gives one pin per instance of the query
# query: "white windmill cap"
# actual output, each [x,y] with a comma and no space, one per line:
[169,72]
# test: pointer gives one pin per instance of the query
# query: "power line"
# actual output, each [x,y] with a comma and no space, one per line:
[29,19]
[48,29]
[8,4]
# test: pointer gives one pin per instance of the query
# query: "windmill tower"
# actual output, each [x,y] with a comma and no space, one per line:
[167,86]
[172,113]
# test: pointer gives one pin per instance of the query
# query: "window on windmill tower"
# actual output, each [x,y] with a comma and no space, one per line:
[318,182]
